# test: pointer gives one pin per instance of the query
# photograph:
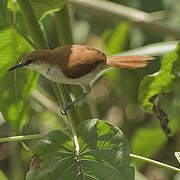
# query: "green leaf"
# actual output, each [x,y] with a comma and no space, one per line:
[118,39]
[103,154]
[42,8]
[15,86]
[3,8]
[143,143]
[2,176]
[162,82]
[146,143]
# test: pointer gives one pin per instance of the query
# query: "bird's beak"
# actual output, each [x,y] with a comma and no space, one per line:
[15,67]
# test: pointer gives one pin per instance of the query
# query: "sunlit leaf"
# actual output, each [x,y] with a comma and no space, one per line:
[143,142]
[118,39]
[162,82]
[177,154]
[42,8]
[103,154]
[2,176]
[15,86]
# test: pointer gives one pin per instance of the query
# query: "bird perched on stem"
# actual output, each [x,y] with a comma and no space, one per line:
[76,64]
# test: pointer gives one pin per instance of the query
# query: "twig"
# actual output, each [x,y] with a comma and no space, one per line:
[155,162]
[21,138]
[45,101]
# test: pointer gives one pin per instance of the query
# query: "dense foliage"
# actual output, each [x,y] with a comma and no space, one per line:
[143,103]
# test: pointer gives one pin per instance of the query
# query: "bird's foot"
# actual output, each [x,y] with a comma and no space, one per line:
[68,105]
[65,107]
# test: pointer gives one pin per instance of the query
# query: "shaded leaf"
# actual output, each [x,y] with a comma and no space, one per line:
[3,9]
[103,154]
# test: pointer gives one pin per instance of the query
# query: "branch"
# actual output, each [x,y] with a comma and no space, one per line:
[46,102]
[109,10]
[155,162]
[21,138]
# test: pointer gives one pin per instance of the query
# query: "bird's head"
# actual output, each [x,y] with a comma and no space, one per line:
[36,57]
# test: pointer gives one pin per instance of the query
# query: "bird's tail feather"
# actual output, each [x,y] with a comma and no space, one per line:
[128,61]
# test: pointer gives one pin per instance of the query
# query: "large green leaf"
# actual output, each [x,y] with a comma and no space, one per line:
[42,8]
[3,176]
[118,39]
[143,142]
[103,155]
[162,82]
[3,8]
[15,86]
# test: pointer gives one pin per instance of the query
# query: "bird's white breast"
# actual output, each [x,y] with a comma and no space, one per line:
[55,74]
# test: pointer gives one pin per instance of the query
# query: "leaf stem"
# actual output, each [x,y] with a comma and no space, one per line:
[26,38]
[65,36]
[21,138]
[155,162]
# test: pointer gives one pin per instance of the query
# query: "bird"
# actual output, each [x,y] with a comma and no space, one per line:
[76,64]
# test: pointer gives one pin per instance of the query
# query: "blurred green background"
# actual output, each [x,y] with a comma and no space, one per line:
[114,96]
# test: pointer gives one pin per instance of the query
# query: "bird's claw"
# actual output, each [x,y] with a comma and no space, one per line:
[65,108]
[63,112]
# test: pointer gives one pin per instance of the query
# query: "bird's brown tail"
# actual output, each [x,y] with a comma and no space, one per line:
[128,61]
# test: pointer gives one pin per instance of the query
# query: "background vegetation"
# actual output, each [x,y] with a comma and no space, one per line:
[138,104]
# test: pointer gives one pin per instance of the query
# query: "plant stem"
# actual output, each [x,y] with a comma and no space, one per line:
[21,138]
[155,162]
[70,118]
[64,29]
[32,24]
[65,37]
[40,43]
[35,32]
[21,33]
[108,10]
[64,26]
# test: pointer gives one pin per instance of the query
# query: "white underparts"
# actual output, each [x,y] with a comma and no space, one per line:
[55,74]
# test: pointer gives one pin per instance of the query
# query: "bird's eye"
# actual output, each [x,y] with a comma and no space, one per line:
[28,62]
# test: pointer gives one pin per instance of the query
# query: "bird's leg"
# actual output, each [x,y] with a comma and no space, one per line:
[68,105]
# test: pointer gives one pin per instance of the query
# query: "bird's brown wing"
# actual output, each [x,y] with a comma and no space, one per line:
[77,60]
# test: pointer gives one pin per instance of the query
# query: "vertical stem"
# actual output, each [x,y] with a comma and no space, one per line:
[32,24]
[65,37]
[40,43]
[64,26]
[14,49]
